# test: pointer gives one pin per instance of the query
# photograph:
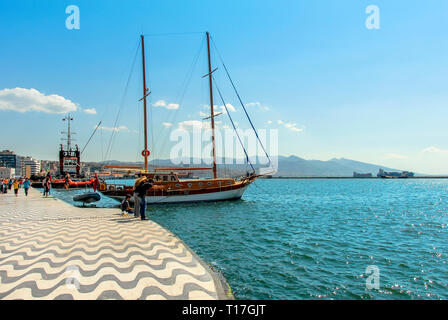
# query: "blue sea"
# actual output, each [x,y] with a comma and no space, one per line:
[320,238]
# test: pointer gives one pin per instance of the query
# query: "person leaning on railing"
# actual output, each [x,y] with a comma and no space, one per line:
[142,185]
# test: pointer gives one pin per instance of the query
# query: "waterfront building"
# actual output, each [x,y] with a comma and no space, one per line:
[49,166]
[9,159]
[30,167]
[7,173]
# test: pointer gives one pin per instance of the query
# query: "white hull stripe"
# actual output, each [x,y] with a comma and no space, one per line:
[212,196]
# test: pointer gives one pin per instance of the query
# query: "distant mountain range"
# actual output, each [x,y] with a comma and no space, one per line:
[296,166]
[292,166]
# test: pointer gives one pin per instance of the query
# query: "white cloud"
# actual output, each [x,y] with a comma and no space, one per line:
[291,126]
[296,129]
[172,106]
[433,149]
[89,111]
[257,104]
[193,124]
[167,124]
[160,103]
[269,122]
[120,128]
[218,109]
[230,107]
[164,104]
[24,100]
[189,125]
[395,156]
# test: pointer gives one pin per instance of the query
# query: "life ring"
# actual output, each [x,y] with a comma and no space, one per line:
[111,187]
[102,187]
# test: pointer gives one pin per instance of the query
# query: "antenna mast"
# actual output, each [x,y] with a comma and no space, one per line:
[68,118]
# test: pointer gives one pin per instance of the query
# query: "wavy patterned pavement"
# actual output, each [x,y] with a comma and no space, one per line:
[52,250]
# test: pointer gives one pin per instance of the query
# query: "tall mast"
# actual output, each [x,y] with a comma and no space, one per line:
[68,118]
[212,113]
[69,134]
[145,152]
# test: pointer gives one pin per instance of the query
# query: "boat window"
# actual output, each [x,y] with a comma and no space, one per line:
[157,178]
[173,178]
[189,185]
[178,185]
[219,182]
[200,184]
[209,183]
[165,178]
[229,182]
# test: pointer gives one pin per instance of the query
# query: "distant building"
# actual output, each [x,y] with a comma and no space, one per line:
[7,173]
[362,175]
[30,167]
[49,166]
[9,159]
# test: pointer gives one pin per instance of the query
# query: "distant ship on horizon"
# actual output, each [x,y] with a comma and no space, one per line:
[394,174]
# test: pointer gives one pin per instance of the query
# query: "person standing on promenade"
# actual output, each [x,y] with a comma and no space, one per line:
[26,186]
[1,186]
[67,181]
[44,182]
[15,185]
[5,186]
[136,197]
[46,185]
[95,183]
[141,190]
[10,184]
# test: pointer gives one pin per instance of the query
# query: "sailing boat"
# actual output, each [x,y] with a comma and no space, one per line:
[168,187]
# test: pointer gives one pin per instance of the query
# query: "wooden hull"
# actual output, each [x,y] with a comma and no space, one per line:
[233,192]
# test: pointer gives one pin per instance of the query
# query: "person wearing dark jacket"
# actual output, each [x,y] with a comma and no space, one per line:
[140,191]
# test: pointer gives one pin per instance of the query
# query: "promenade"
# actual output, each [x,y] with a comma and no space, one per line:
[50,249]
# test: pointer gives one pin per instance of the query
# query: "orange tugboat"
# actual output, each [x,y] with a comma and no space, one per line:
[167,187]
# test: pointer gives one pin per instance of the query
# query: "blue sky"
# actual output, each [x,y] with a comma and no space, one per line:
[378,96]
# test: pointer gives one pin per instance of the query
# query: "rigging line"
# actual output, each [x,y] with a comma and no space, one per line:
[189,75]
[233,125]
[149,114]
[172,34]
[104,155]
[241,101]
[91,136]
[102,145]
[139,121]
[184,87]
[109,147]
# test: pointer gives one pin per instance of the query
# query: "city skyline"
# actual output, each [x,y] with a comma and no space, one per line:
[331,87]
